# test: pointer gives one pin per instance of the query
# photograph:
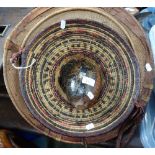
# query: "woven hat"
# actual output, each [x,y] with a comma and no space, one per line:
[83,74]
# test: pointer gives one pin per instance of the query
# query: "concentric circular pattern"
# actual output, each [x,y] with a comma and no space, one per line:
[107,96]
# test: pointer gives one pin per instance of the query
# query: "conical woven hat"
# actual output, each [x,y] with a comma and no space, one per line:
[92,67]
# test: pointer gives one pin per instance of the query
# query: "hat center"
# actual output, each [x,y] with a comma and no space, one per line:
[80,81]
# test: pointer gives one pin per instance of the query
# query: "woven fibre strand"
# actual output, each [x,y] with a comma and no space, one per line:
[108,38]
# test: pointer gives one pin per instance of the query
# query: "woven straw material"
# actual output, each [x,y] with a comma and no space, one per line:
[109,39]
